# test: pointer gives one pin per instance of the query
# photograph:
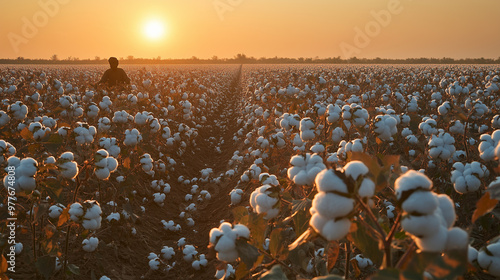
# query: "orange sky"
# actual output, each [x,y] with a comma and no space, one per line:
[285,28]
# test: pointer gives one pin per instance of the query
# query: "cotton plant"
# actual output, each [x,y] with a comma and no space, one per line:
[18,110]
[488,257]
[67,165]
[333,113]
[333,203]
[354,114]
[305,168]
[88,214]
[429,217]
[441,146]
[104,164]
[235,195]
[56,210]
[428,126]
[6,150]
[468,177]
[385,127]
[224,240]
[84,133]
[306,129]
[104,124]
[121,117]
[132,137]
[265,200]
[488,144]
[4,118]
[331,206]
[24,178]
[38,130]
[225,274]
[90,244]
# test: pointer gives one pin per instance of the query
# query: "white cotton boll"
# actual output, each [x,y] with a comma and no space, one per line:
[76,211]
[90,244]
[458,239]
[489,259]
[354,169]
[104,277]
[435,242]
[189,252]
[167,252]
[159,198]
[56,210]
[18,248]
[115,216]
[335,230]
[385,127]
[390,211]
[236,196]
[422,226]
[305,168]
[471,254]
[447,209]
[411,180]
[197,264]
[367,188]
[338,134]
[102,173]
[327,180]
[91,224]
[154,264]
[331,205]
[421,202]
[363,262]
[261,202]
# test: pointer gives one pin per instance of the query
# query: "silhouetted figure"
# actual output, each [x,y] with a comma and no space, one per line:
[114,75]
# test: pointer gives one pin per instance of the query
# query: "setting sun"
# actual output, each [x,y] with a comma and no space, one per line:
[154,29]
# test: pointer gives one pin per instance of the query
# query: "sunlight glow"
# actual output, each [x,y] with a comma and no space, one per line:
[154,29]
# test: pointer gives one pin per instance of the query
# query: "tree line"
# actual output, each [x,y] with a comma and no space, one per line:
[243,59]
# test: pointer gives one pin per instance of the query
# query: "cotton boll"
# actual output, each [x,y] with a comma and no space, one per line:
[262,202]
[422,226]
[335,229]
[167,252]
[354,169]
[471,254]
[447,209]
[330,180]
[236,196]
[56,210]
[433,243]
[189,252]
[363,262]
[90,244]
[421,202]
[489,259]
[411,180]
[331,205]
[154,264]
[305,168]
[458,239]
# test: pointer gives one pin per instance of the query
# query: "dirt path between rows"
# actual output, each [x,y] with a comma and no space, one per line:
[125,255]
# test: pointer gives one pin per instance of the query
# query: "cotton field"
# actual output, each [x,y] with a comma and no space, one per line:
[250,172]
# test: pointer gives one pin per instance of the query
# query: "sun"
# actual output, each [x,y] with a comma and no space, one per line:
[154,29]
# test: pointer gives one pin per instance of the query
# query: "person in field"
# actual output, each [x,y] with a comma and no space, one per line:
[114,76]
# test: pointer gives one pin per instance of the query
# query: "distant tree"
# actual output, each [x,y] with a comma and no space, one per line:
[97,58]
[20,58]
[130,57]
[158,58]
[215,58]
[54,57]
